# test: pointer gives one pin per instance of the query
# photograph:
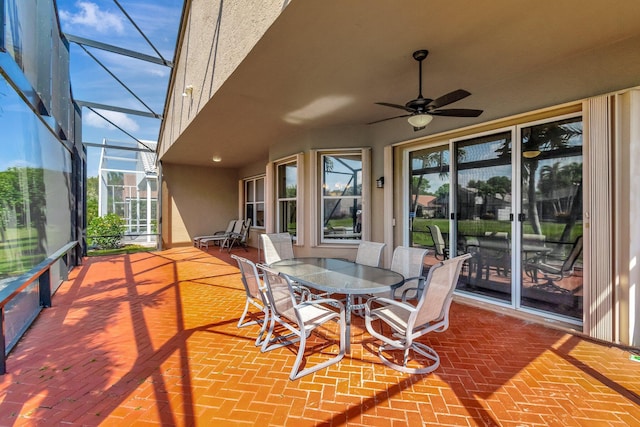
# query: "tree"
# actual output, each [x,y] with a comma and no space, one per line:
[92,198]
[546,139]
[419,185]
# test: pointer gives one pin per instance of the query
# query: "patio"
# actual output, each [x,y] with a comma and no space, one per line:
[151,339]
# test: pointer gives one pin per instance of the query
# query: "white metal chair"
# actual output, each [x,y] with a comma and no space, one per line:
[218,236]
[238,238]
[409,262]
[369,253]
[276,246]
[409,322]
[255,296]
[440,248]
[299,318]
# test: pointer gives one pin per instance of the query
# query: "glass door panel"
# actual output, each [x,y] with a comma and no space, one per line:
[551,248]
[484,213]
[429,200]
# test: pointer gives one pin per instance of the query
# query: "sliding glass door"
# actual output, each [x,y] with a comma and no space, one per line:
[516,208]
[483,217]
[551,217]
[429,199]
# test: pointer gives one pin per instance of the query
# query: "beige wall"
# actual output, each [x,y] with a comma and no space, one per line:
[196,201]
[212,29]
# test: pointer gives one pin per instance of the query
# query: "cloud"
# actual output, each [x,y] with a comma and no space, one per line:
[120,119]
[90,15]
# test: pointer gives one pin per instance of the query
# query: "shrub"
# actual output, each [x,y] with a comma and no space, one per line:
[106,231]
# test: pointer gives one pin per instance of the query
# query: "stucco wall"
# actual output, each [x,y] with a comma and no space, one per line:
[213,29]
[196,201]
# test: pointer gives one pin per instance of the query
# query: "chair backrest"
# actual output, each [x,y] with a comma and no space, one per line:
[253,286]
[573,256]
[230,226]
[438,240]
[244,233]
[280,295]
[369,253]
[434,303]
[238,226]
[276,246]
[408,262]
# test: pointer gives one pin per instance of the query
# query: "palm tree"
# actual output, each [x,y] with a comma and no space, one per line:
[540,139]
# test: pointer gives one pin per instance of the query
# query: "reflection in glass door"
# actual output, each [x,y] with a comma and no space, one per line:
[551,217]
[484,213]
[429,200]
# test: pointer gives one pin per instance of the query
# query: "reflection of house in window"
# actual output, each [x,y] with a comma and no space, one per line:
[129,186]
[426,206]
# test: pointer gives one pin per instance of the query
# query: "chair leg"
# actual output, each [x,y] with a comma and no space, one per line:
[416,347]
[295,374]
[262,322]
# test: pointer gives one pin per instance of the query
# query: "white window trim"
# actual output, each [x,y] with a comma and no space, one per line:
[272,169]
[243,200]
[315,217]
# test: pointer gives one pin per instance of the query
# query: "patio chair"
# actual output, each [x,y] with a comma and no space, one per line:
[255,296]
[218,236]
[369,253]
[441,251]
[276,246]
[409,322]
[409,262]
[238,236]
[300,318]
[554,270]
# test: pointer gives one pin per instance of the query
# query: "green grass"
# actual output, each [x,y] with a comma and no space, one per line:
[128,249]
[421,236]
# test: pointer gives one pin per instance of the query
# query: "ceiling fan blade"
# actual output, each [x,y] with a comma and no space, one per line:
[389,118]
[387,104]
[456,112]
[449,98]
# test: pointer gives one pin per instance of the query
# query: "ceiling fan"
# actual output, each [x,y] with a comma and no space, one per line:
[422,109]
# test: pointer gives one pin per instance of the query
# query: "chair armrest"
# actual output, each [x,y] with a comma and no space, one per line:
[418,289]
[389,301]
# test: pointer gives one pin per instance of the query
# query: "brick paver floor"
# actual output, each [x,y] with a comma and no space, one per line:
[151,339]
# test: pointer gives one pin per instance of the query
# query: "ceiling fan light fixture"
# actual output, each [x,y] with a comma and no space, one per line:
[420,120]
[530,154]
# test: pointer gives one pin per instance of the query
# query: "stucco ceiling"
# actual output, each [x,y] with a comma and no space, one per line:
[324,63]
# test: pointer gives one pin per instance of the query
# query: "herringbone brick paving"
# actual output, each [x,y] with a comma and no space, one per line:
[151,339]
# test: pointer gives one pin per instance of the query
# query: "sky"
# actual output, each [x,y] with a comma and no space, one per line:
[105,22]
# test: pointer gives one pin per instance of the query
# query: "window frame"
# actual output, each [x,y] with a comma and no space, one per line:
[278,199]
[254,202]
[317,225]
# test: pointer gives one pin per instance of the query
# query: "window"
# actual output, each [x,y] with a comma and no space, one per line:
[287,192]
[254,201]
[341,198]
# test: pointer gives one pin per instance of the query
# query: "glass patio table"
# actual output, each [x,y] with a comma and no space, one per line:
[339,276]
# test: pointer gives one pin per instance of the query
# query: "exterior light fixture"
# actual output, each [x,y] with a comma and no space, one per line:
[380,182]
[188,91]
[420,120]
[216,159]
